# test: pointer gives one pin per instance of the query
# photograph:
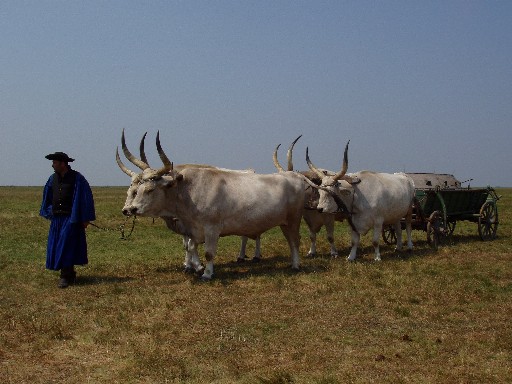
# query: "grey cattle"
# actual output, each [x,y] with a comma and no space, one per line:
[371,200]
[314,219]
[192,261]
[210,203]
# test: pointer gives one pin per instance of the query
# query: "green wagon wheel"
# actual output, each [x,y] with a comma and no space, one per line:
[488,221]
[434,229]
[389,234]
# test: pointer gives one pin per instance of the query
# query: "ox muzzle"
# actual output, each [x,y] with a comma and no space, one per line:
[130,211]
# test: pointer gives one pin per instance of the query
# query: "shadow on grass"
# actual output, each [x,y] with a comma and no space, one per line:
[99,280]
[388,253]
[231,271]
[228,272]
[365,254]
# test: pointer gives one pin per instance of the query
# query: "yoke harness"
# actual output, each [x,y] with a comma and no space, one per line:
[342,207]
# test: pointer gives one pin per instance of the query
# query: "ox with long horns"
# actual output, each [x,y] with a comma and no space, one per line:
[313,218]
[210,203]
[370,199]
[192,261]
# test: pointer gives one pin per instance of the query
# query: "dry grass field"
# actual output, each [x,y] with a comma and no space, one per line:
[135,317]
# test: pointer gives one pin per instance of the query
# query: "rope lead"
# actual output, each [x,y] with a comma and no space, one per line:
[121,228]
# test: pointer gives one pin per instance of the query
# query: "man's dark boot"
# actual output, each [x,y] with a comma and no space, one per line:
[67,277]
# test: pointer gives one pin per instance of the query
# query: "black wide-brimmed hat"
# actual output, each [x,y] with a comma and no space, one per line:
[59,156]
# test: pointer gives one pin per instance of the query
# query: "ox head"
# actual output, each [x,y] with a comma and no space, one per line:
[151,197]
[313,178]
[148,176]
[333,186]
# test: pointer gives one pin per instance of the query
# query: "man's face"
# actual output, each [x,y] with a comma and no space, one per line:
[59,166]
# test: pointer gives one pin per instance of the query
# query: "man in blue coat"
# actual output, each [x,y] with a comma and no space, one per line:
[69,204]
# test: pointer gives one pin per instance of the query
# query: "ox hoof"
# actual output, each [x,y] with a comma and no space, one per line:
[189,270]
[241,259]
[311,254]
[256,259]
[199,270]
[205,279]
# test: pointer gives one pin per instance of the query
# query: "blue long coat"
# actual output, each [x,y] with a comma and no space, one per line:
[67,245]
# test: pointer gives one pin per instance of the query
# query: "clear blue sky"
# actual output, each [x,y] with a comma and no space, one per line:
[417,86]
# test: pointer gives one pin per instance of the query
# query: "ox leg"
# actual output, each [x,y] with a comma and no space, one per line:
[377,231]
[292,235]
[315,221]
[408,229]
[398,232]
[312,238]
[192,262]
[329,227]
[257,250]
[356,238]
[242,256]
[188,263]
[312,220]
[210,247]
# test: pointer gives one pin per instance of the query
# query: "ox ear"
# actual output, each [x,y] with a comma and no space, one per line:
[171,181]
[352,180]
[345,190]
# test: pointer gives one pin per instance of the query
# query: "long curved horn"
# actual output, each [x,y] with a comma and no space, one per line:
[344,167]
[276,162]
[289,154]
[167,163]
[139,163]
[122,166]
[312,166]
[141,150]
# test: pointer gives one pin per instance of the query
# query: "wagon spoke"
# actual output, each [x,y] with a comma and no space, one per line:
[450,226]
[488,221]
[389,234]
[434,229]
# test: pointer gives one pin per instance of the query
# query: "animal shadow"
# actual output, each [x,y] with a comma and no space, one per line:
[100,280]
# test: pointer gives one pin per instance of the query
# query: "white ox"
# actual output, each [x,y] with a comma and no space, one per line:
[191,254]
[210,203]
[313,218]
[371,199]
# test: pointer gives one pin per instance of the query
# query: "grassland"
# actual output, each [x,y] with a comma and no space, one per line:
[135,317]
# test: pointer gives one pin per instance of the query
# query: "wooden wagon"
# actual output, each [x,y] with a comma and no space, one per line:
[441,201]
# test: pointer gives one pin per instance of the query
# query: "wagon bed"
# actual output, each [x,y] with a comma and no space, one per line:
[441,201]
